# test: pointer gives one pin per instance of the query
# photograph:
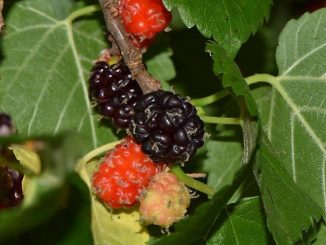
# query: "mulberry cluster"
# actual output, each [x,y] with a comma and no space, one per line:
[114,92]
[167,127]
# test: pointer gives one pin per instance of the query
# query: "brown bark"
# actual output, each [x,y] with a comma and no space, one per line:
[132,56]
[2,23]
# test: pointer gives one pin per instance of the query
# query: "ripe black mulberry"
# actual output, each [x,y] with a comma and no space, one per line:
[114,92]
[167,127]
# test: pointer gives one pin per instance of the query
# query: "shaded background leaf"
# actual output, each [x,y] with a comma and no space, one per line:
[160,65]
[54,196]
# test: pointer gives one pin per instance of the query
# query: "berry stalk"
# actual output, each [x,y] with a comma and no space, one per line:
[100,150]
[192,183]
[221,120]
[210,99]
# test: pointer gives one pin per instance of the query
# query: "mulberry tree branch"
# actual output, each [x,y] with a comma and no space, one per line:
[2,23]
[132,56]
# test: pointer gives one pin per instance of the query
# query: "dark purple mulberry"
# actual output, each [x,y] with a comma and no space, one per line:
[11,193]
[114,92]
[167,127]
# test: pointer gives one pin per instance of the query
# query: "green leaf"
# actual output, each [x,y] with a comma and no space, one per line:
[161,67]
[242,223]
[231,76]
[44,73]
[295,121]
[222,162]
[49,192]
[289,209]
[69,225]
[230,23]
[321,237]
[29,159]
[108,226]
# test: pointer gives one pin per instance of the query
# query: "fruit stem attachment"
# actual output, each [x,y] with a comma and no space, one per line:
[210,99]
[192,183]
[221,120]
[97,151]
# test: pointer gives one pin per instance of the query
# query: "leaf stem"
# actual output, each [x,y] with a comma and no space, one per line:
[104,148]
[192,183]
[261,78]
[211,98]
[82,12]
[221,120]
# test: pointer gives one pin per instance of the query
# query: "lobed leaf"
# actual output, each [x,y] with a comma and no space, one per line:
[294,122]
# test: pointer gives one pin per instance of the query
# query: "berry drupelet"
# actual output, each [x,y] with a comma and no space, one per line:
[167,127]
[114,92]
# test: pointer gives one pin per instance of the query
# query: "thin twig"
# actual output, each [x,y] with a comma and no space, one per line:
[2,23]
[132,56]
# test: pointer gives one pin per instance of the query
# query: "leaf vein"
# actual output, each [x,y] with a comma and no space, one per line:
[271,115]
[32,9]
[324,181]
[82,81]
[43,90]
[302,58]
[300,117]
[66,104]
[32,54]
[293,163]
